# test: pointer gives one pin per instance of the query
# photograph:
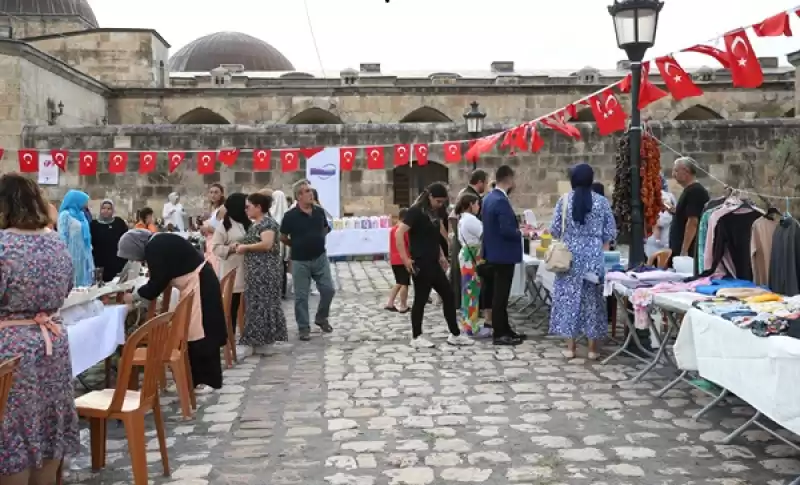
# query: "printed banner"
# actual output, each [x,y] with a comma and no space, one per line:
[322,170]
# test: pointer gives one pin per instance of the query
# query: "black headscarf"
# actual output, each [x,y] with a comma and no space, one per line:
[581,178]
[234,210]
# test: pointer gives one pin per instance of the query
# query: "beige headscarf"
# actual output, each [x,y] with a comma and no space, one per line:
[279,206]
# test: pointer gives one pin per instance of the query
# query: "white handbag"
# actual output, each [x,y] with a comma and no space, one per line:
[558,257]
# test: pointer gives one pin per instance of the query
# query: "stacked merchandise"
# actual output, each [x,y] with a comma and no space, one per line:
[763,313]
[650,191]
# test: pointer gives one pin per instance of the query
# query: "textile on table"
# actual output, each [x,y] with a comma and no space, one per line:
[578,305]
[40,421]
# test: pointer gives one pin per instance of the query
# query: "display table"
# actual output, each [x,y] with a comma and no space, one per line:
[92,340]
[357,242]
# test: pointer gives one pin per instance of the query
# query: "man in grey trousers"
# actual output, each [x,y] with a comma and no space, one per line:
[304,229]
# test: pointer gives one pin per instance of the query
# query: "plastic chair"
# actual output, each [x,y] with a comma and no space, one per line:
[660,259]
[7,369]
[128,406]
[176,357]
[227,297]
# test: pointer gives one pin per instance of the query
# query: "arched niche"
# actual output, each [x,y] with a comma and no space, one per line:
[426,114]
[698,113]
[584,116]
[789,114]
[408,181]
[201,116]
[315,116]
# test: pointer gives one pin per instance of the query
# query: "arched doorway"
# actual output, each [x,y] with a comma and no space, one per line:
[201,116]
[426,114]
[408,181]
[698,113]
[314,116]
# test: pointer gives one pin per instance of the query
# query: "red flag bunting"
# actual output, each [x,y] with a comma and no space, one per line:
[175,160]
[60,158]
[678,81]
[720,56]
[452,152]
[206,162]
[481,146]
[375,158]
[537,143]
[290,160]
[310,151]
[744,66]
[421,154]
[147,162]
[28,161]
[261,160]
[402,155]
[775,26]
[649,93]
[228,157]
[607,113]
[516,139]
[557,121]
[88,163]
[347,159]
[117,162]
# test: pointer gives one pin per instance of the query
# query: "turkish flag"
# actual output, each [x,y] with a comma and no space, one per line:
[28,161]
[745,69]
[309,152]
[147,162]
[402,155]
[421,154]
[88,163]
[678,81]
[452,152]
[290,160]
[607,113]
[175,160]
[206,162]
[229,156]
[775,26]
[717,54]
[60,158]
[117,162]
[558,122]
[481,146]
[347,159]
[375,159]
[537,143]
[649,93]
[261,160]
[515,139]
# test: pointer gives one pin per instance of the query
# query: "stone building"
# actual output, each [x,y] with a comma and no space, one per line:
[70,84]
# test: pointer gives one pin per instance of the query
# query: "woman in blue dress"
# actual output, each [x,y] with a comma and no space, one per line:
[578,304]
[74,229]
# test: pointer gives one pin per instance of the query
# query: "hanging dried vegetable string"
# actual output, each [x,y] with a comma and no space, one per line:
[650,171]
[621,197]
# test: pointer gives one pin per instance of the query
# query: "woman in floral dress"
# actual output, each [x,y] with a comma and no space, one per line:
[264,321]
[40,425]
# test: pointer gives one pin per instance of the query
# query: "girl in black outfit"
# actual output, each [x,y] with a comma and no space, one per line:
[106,231]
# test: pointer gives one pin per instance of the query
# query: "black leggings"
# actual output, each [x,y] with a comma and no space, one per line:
[431,276]
[236,300]
[285,279]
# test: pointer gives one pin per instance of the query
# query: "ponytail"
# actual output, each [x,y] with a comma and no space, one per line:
[422,200]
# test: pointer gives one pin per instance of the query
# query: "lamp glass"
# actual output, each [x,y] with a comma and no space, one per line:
[636,26]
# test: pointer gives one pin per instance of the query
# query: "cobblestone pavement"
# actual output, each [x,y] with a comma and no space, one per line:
[360,407]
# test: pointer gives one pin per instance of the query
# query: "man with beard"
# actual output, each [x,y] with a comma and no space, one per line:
[477,186]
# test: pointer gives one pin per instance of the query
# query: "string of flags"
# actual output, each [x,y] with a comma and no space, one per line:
[738,57]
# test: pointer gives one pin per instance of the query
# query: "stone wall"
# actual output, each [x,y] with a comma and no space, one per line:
[27,26]
[738,152]
[381,105]
[133,58]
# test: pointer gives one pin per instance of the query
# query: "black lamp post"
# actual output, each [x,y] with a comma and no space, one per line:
[474,118]
[635,23]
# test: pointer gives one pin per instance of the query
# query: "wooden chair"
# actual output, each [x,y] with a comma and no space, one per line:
[175,357]
[240,316]
[227,296]
[660,259]
[154,309]
[128,406]
[7,369]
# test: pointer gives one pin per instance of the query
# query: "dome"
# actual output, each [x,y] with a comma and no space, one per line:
[213,50]
[59,8]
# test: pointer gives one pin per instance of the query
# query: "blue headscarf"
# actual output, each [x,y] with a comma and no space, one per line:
[581,177]
[73,204]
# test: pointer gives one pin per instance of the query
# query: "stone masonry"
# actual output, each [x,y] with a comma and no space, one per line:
[738,152]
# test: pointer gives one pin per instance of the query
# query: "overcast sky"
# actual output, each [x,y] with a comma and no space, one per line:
[444,34]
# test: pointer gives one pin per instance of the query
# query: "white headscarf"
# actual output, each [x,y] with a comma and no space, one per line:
[173,212]
[279,206]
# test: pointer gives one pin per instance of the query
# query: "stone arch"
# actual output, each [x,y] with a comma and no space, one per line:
[789,114]
[408,181]
[426,114]
[584,116]
[201,116]
[315,116]
[698,113]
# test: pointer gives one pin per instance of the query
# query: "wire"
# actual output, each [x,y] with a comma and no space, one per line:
[314,38]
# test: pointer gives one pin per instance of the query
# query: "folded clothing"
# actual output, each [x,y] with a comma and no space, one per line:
[741,292]
[763,298]
[717,285]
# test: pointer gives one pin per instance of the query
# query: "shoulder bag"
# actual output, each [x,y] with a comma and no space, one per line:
[558,257]
[482,268]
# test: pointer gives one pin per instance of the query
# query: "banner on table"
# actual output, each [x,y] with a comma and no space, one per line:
[322,170]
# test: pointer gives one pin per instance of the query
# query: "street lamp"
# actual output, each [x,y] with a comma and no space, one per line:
[635,23]
[474,118]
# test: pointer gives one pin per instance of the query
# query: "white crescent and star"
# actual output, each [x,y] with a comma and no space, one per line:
[422,150]
[261,154]
[117,159]
[348,155]
[401,150]
[27,157]
[87,159]
[148,158]
[175,158]
[59,157]
[290,157]
[374,154]
[676,77]
[453,149]
[206,159]
[739,41]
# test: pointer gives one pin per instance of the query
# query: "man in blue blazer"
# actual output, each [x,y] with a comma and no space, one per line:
[502,249]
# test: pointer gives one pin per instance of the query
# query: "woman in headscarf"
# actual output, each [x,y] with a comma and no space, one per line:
[73,227]
[173,213]
[173,261]
[106,231]
[582,220]
[280,206]
[230,232]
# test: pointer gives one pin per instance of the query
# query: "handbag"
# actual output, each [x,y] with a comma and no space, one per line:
[558,257]
[482,268]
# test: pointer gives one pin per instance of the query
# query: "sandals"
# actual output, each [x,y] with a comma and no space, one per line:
[391,308]
[404,310]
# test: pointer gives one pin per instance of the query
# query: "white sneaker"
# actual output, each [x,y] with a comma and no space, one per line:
[422,343]
[244,351]
[460,340]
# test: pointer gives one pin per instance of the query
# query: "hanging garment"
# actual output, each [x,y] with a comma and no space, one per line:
[784,266]
[731,249]
[761,249]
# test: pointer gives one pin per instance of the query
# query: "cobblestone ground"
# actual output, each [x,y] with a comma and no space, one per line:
[360,407]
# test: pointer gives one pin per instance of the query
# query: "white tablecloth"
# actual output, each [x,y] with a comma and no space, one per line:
[518,283]
[93,339]
[762,371]
[357,242]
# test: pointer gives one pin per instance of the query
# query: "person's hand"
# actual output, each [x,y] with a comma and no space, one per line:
[241,249]
[233,247]
[127,298]
[409,264]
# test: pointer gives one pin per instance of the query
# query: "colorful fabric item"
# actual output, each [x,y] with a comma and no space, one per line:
[470,289]
[702,230]
[642,298]
[715,285]
[764,298]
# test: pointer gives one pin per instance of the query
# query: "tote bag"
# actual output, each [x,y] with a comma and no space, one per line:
[558,257]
